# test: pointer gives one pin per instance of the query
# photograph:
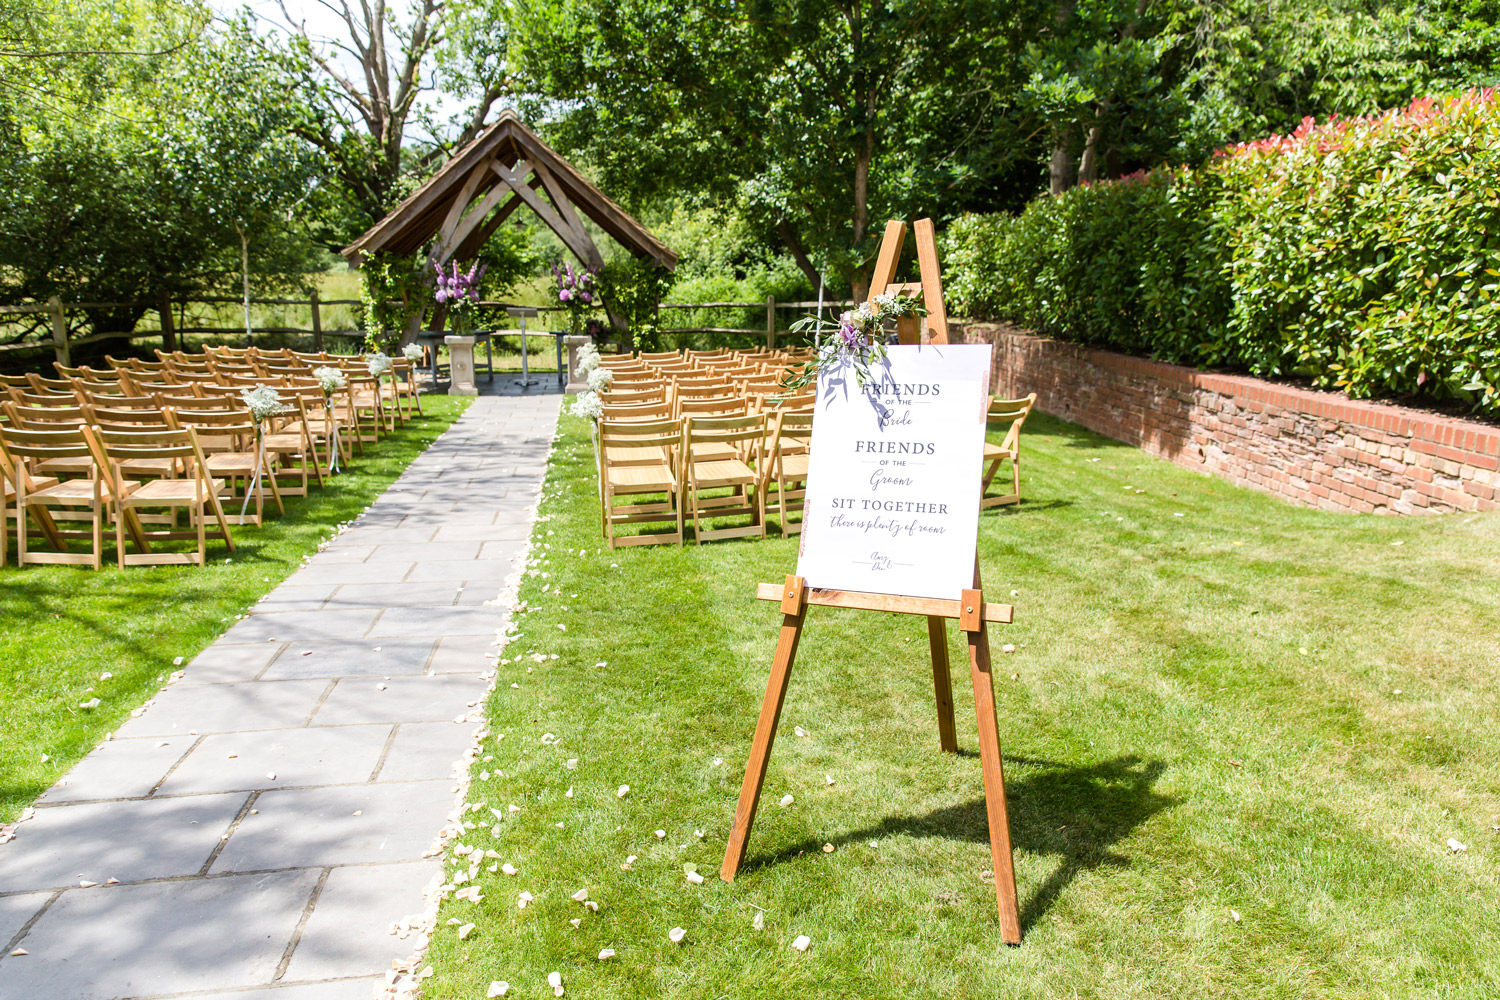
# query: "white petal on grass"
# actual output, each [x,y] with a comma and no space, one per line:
[591,905]
[1235,914]
[676,934]
[695,878]
[523,899]
[569,793]
[799,731]
[759,923]
[660,834]
[465,931]
[577,922]
[787,800]
[828,779]
[622,791]
[605,954]
[801,943]
[571,763]
[1456,847]
[581,895]
[498,988]
[554,980]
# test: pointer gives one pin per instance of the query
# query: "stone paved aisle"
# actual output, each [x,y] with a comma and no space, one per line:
[266,816]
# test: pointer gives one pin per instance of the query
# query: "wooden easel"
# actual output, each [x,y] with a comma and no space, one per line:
[971,610]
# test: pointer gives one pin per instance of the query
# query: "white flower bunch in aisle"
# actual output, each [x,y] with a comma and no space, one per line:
[378,364]
[588,360]
[263,401]
[587,405]
[600,379]
[330,379]
[412,353]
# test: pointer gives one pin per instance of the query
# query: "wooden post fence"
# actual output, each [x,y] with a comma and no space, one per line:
[164,310]
[770,322]
[59,331]
[317,322]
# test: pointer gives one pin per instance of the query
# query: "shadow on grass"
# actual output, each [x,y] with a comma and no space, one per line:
[1077,813]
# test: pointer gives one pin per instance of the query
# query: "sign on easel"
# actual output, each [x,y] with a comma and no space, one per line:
[891,522]
[893,483]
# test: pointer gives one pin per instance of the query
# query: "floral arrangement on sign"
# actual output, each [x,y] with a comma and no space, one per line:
[857,339]
[460,293]
[578,291]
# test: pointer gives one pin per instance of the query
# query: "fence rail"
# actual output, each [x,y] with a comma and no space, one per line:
[62,343]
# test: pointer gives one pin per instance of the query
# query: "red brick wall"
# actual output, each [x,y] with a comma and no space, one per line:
[1316,448]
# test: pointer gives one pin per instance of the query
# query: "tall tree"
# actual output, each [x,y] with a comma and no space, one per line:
[369,97]
[819,116]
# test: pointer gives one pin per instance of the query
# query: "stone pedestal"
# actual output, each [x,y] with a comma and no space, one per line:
[576,382]
[461,366]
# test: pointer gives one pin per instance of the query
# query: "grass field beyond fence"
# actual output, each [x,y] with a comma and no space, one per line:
[63,627]
[1237,743]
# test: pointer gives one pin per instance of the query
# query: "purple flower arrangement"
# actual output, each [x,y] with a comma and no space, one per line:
[576,290]
[459,292]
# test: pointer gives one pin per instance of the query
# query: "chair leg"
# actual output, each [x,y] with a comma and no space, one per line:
[98,513]
[197,515]
[120,533]
[1015,471]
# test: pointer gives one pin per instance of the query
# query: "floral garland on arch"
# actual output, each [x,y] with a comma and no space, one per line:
[857,338]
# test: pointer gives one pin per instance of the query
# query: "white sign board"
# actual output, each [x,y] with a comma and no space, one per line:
[894,474]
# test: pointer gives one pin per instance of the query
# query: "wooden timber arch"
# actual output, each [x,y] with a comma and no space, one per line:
[505,167]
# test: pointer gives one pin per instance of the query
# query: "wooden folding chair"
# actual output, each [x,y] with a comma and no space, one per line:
[705,435]
[786,467]
[196,491]
[51,417]
[227,440]
[10,512]
[299,433]
[89,499]
[1012,411]
[713,406]
[622,476]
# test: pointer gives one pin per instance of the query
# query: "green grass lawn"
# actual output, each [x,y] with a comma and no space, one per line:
[62,627]
[1237,743]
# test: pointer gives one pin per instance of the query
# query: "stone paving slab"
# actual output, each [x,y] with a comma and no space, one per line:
[233,762]
[367,657]
[338,941]
[129,841]
[310,827]
[226,708]
[354,683]
[160,937]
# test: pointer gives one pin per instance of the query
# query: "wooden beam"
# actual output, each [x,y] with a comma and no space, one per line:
[471,222]
[476,240]
[932,282]
[461,203]
[547,212]
[592,258]
[890,255]
[931,606]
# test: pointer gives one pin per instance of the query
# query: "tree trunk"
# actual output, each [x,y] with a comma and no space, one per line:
[245,276]
[1061,165]
[799,253]
[860,279]
[1088,166]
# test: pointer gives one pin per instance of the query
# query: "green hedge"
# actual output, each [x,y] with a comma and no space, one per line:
[1363,254]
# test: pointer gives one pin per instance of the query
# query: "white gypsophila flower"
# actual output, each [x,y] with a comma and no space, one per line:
[378,364]
[886,303]
[862,314]
[600,379]
[331,379]
[412,353]
[263,402]
[587,405]
[588,360]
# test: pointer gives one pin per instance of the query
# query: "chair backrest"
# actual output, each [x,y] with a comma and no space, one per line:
[184,397]
[44,417]
[650,356]
[22,443]
[16,381]
[748,432]
[635,412]
[86,372]
[719,390]
[629,394]
[619,361]
[123,418]
[237,424]
[1013,411]
[717,406]
[791,428]
[615,434]
[696,379]
[42,385]
[89,398]
[111,446]
[24,398]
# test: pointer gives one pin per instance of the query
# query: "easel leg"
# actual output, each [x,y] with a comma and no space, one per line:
[765,729]
[942,684]
[994,785]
